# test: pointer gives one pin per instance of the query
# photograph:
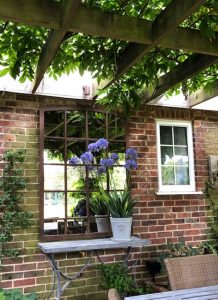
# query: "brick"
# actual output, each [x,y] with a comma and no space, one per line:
[24,282]
[25,267]
[6,284]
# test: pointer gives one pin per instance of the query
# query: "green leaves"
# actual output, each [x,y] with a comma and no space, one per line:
[20,47]
[98,206]
[11,184]
[120,203]
[116,276]
[16,294]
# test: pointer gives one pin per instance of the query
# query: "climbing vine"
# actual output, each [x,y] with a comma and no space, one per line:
[12,216]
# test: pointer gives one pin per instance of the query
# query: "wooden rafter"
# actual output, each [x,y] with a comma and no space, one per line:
[176,12]
[204,95]
[54,41]
[100,23]
[143,35]
[190,67]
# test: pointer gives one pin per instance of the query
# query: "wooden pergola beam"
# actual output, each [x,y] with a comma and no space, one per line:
[54,41]
[203,95]
[176,12]
[100,23]
[190,67]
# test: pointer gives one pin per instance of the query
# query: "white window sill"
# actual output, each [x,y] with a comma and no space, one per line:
[179,193]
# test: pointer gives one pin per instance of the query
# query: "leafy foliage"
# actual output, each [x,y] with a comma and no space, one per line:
[12,215]
[21,45]
[177,250]
[116,276]
[16,294]
[98,205]
[120,203]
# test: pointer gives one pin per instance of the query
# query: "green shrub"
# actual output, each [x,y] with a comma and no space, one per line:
[16,294]
[116,276]
[12,185]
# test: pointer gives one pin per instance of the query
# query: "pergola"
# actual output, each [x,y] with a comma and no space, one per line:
[142,36]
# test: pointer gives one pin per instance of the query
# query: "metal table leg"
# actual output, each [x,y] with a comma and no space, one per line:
[58,287]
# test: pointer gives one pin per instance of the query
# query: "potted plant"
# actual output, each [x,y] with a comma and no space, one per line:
[99,208]
[120,205]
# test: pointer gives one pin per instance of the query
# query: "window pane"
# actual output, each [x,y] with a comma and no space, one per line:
[166,155]
[180,135]
[168,177]
[76,204]
[119,148]
[182,175]
[76,176]
[54,123]
[118,178]
[76,124]
[166,135]
[75,148]
[96,181]
[54,205]
[53,177]
[76,226]
[116,125]
[50,227]
[54,151]
[97,125]
[181,156]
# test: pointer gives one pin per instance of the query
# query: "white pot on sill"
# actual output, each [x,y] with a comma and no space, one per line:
[121,228]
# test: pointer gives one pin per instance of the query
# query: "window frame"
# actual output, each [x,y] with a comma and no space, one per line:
[87,140]
[169,189]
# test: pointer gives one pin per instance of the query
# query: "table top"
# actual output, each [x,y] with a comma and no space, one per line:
[93,244]
[202,293]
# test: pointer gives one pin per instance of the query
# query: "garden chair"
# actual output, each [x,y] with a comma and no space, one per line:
[192,271]
[113,295]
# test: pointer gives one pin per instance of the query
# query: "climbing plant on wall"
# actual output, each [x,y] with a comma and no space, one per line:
[12,216]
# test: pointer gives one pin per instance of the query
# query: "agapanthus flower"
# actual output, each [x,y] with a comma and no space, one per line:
[102,143]
[93,147]
[101,170]
[87,158]
[131,153]
[107,162]
[130,164]
[74,161]
[114,156]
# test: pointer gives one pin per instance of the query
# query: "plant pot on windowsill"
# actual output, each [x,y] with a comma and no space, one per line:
[103,223]
[99,208]
[120,205]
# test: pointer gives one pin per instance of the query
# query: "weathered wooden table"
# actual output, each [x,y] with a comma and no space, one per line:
[61,280]
[202,293]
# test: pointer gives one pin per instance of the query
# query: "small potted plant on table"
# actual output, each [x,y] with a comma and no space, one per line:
[99,208]
[120,205]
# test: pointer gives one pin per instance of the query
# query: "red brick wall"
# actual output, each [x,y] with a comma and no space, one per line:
[161,218]
[168,218]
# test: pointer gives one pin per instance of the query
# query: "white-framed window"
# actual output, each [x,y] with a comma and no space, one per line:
[175,156]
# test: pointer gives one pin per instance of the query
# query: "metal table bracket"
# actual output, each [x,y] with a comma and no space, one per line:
[60,281]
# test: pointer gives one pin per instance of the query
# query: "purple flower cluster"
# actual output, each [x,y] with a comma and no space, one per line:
[131,164]
[74,161]
[107,162]
[87,157]
[131,153]
[99,145]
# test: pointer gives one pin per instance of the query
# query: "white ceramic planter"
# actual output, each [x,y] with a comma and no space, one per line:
[103,223]
[121,228]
